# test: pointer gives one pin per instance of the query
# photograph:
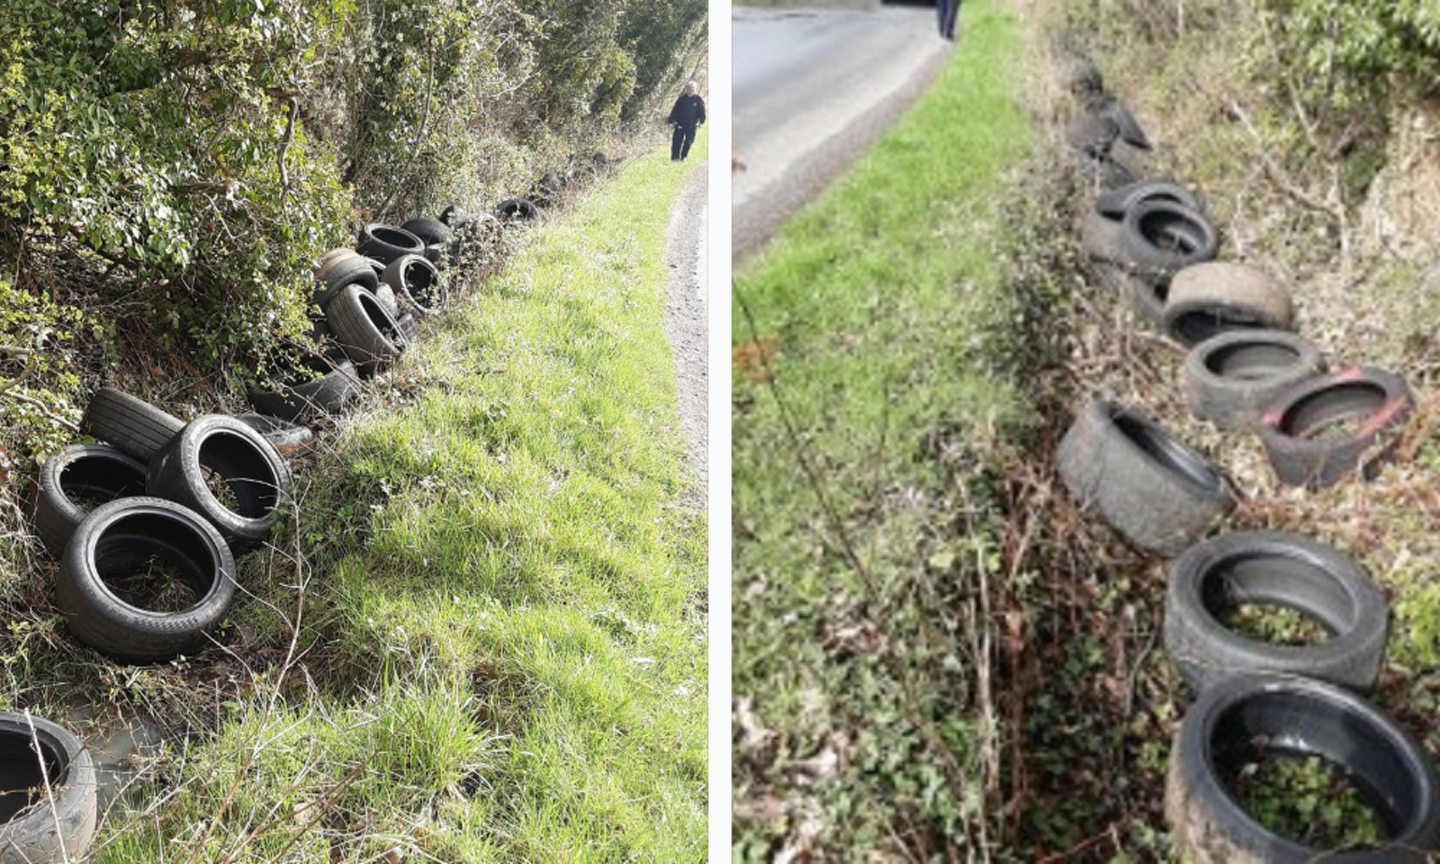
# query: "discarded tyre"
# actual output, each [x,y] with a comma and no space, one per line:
[516,209]
[367,333]
[436,236]
[1091,135]
[1232,378]
[323,385]
[1159,236]
[35,826]
[78,477]
[385,243]
[246,468]
[1082,77]
[429,230]
[1112,109]
[339,268]
[1117,202]
[105,563]
[1216,296]
[1236,724]
[287,438]
[385,296]
[1334,426]
[133,425]
[1219,576]
[1157,493]
[418,281]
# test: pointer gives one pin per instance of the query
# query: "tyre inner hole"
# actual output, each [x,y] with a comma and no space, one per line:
[156,563]
[381,319]
[1252,361]
[1170,231]
[1335,412]
[245,483]
[91,481]
[420,283]
[1276,599]
[1370,792]
[1168,452]
[1197,326]
[394,238]
[22,783]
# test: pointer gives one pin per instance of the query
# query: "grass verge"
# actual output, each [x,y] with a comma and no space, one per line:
[501,646]
[878,344]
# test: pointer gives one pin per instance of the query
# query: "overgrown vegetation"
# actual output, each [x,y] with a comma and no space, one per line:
[173,168]
[877,343]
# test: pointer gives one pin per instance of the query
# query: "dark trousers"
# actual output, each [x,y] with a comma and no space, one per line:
[948,11]
[680,142]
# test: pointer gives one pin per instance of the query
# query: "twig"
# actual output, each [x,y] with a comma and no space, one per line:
[1277,175]
[30,400]
[49,793]
[285,147]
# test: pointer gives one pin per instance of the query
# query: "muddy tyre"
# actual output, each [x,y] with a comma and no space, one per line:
[1372,403]
[1231,379]
[239,457]
[119,539]
[132,425]
[1217,296]
[57,828]
[1243,719]
[81,472]
[1219,575]
[1158,494]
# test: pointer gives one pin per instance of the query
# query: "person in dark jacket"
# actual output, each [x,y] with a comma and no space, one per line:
[948,10]
[688,113]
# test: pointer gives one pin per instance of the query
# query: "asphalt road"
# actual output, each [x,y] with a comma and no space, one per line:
[812,89]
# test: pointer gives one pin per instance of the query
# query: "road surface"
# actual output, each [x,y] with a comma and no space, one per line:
[812,89]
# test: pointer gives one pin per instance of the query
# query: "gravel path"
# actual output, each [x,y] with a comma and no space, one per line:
[685,255]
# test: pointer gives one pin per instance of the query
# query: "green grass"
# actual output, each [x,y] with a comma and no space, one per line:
[505,629]
[885,310]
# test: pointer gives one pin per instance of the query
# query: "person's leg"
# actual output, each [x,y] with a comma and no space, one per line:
[952,14]
[689,139]
[675,141]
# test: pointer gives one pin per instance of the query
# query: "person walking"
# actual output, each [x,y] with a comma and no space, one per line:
[688,113]
[948,10]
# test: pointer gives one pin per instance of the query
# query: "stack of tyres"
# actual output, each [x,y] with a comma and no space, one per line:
[160,509]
